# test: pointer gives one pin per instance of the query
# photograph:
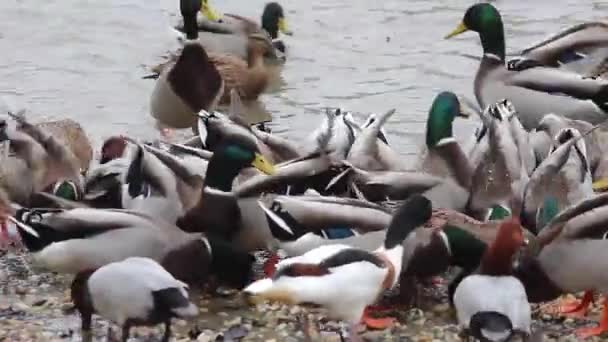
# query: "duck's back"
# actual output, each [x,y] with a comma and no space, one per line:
[492,85]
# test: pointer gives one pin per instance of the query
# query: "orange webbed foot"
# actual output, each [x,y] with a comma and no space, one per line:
[376,323]
[600,329]
[590,332]
[575,308]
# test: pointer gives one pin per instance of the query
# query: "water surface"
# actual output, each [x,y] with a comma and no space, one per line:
[83,59]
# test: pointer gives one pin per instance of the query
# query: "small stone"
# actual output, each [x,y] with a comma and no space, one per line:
[441,308]
[20,307]
[420,322]
[223,314]
[66,307]
[3,276]
[569,321]
[20,290]
[295,310]
[206,336]
[39,302]
[236,321]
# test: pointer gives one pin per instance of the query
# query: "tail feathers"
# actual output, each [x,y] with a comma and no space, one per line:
[24,227]
[259,287]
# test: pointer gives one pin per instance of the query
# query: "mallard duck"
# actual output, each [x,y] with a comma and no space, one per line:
[440,142]
[574,239]
[564,175]
[491,304]
[71,134]
[185,87]
[248,76]
[217,209]
[343,279]
[502,159]
[153,296]
[533,91]
[41,163]
[77,240]
[273,21]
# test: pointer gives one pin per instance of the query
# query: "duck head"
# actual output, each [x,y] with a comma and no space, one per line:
[112,148]
[229,158]
[445,108]
[273,20]
[484,19]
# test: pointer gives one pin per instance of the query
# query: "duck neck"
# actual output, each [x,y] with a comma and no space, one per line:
[493,39]
[466,249]
[497,259]
[190,26]
[221,173]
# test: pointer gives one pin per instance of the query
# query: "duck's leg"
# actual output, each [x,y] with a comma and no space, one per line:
[126,329]
[601,328]
[575,308]
[86,326]
[376,323]
[167,334]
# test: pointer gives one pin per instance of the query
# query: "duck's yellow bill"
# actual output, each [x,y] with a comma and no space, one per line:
[458,30]
[283,26]
[600,185]
[261,163]
[209,12]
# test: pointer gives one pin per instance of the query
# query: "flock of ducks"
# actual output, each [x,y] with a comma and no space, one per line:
[516,209]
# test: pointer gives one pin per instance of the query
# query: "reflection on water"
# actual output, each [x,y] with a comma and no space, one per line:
[84,59]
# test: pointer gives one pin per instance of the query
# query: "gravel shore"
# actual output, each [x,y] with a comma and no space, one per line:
[36,306]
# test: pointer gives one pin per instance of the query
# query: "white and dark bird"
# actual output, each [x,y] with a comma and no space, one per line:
[343,279]
[132,292]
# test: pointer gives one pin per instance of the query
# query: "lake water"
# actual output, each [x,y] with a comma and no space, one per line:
[84,59]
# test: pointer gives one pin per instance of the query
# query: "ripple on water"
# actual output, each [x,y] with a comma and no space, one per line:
[82,59]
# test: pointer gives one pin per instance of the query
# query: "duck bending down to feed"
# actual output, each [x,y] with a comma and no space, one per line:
[534,91]
[343,279]
[491,304]
[147,295]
